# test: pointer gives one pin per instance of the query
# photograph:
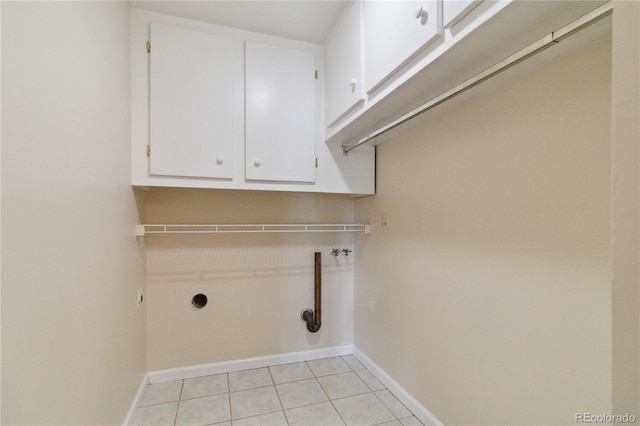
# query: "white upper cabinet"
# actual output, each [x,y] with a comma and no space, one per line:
[343,64]
[195,102]
[454,10]
[395,32]
[280,114]
[417,51]
[219,107]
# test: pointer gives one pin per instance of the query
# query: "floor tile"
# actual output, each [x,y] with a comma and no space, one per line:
[411,421]
[327,366]
[271,419]
[205,386]
[159,393]
[325,392]
[353,362]
[393,404]
[290,372]
[363,410]
[315,415]
[343,385]
[370,380]
[203,411]
[304,392]
[249,379]
[254,402]
[162,414]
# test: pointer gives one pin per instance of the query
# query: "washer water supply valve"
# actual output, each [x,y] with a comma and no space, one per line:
[337,252]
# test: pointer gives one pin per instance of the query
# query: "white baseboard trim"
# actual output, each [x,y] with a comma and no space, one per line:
[246,364]
[136,401]
[405,397]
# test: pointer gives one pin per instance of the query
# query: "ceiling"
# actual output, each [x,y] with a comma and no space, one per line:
[304,20]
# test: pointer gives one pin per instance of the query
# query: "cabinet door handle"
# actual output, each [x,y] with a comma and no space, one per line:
[257,162]
[353,82]
[220,160]
[422,15]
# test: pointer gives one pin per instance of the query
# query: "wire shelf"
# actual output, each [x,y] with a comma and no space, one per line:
[148,229]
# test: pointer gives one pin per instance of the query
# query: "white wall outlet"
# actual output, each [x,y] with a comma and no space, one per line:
[139,297]
[384,221]
[380,221]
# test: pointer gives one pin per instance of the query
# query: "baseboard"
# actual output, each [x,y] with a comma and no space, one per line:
[136,400]
[405,397]
[246,364]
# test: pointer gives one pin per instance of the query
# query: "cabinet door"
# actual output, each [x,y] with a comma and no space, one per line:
[454,10]
[343,65]
[395,32]
[280,114]
[195,102]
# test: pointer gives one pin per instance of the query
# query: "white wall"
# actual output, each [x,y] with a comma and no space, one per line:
[256,284]
[489,298]
[73,343]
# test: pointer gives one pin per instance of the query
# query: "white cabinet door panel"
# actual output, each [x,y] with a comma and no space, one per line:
[395,32]
[343,65]
[195,100]
[454,10]
[280,114]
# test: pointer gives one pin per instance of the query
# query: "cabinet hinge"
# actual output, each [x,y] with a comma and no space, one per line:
[148,150]
[148,47]
[316,162]
[316,74]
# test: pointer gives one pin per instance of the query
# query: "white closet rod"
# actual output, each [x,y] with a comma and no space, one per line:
[512,60]
[144,229]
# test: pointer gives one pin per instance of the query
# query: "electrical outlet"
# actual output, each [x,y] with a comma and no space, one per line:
[380,221]
[384,221]
[139,297]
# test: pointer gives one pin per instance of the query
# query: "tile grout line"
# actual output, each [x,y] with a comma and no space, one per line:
[175,418]
[229,398]
[389,408]
[284,413]
[252,388]
[375,393]
[331,400]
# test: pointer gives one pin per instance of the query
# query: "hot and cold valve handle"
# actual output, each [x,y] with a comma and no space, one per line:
[337,252]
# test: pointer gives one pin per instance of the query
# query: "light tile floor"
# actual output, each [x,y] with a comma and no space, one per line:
[325,392]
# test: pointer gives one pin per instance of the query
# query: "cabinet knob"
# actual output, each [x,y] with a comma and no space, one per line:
[257,162]
[220,160]
[422,15]
[353,82]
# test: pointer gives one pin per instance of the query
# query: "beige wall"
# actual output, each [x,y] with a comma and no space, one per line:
[256,284]
[0,219]
[626,207]
[489,298]
[73,343]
